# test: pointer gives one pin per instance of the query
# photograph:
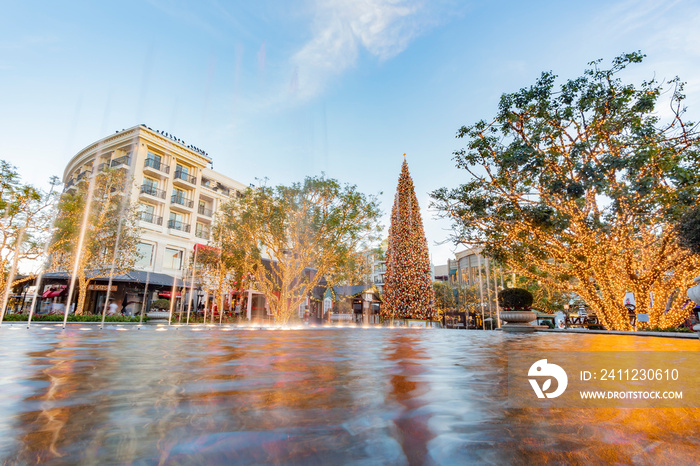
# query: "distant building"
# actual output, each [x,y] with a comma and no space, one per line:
[441,273]
[363,304]
[464,268]
[378,264]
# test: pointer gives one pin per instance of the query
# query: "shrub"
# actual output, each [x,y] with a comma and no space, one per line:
[71,318]
[669,329]
[515,299]
[161,303]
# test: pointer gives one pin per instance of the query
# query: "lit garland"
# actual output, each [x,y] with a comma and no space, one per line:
[408,290]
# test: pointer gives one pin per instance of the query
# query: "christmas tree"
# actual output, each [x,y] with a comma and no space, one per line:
[408,291]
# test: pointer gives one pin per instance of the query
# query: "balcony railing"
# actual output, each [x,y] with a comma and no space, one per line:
[156,165]
[182,175]
[177,225]
[102,167]
[152,191]
[204,211]
[123,160]
[83,175]
[151,218]
[175,199]
[202,233]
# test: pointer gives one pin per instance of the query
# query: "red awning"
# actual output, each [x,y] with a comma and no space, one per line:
[166,294]
[54,291]
[205,248]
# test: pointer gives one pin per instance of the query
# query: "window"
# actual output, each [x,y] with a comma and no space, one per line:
[183,173]
[147,213]
[172,259]
[177,222]
[153,160]
[179,193]
[201,231]
[145,251]
[149,183]
[204,209]
[147,209]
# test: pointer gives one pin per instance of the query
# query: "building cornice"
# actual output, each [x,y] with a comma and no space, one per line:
[163,142]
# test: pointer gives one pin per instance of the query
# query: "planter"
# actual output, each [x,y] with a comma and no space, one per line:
[158,315]
[518,321]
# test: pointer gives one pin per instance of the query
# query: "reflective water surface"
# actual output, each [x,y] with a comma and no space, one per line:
[314,396]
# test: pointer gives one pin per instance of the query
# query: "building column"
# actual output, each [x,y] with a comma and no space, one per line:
[249,310]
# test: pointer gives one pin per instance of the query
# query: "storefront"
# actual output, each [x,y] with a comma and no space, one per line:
[132,292]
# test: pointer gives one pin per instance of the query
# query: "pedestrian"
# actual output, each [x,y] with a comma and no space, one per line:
[112,310]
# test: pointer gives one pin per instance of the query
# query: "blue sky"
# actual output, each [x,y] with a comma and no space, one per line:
[288,89]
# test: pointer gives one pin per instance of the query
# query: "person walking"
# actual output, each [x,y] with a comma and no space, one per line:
[112,309]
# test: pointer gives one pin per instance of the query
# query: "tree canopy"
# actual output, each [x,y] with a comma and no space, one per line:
[581,186]
[286,238]
[110,232]
[26,215]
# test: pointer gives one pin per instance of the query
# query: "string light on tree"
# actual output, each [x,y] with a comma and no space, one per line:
[581,188]
[408,290]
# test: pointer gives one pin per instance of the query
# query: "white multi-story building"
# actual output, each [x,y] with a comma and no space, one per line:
[177,193]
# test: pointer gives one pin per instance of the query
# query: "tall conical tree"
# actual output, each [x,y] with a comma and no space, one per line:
[408,291]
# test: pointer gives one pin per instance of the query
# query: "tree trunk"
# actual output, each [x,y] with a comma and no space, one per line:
[82,294]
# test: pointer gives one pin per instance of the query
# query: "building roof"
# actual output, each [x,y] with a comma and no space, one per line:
[353,290]
[468,252]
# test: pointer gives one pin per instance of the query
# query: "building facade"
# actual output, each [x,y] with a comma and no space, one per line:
[464,268]
[178,195]
[176,191]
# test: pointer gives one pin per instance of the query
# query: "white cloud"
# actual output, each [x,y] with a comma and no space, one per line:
[384,28]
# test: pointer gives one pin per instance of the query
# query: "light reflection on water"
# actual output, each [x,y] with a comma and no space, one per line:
[309,397]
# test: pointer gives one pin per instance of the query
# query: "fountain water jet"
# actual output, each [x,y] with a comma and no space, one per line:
[11,276]
[172,300]
[122,206]
[111,271]
[190,295]
[79,246]
[145,297]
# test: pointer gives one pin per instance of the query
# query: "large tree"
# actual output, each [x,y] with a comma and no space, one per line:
[286,238]
[408,290]
[218,268]
[444,297]
[26,215]
[580,187]
[98,208]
